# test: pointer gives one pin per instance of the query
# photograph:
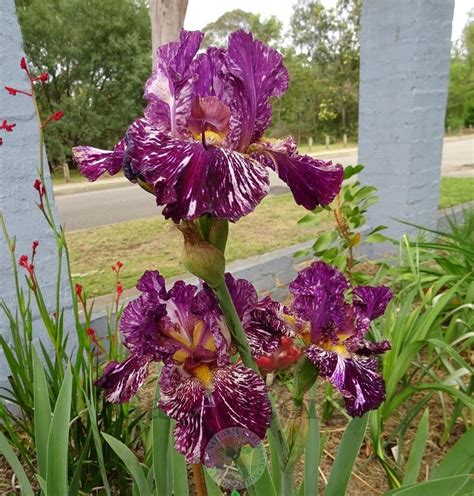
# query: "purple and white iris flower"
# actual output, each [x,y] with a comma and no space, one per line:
[334,330]
[200,147]
[201,388]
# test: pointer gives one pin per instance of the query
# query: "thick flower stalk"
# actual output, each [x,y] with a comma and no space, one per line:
[202,386]
[332,318]
[200,147]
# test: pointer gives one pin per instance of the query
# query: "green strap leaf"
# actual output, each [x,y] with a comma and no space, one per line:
[15,464]
[413,465]
[132,464]
[346,456]
[42,415]
[179,471]
[448,486]
[311,454]
[58,440]
[460,458]
[161,427]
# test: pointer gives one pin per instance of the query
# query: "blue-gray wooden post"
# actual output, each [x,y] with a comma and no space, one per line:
[404,71]
[18,161]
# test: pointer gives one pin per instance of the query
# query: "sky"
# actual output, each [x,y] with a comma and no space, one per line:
[202,12]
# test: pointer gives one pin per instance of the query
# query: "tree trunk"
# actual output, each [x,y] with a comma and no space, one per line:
[167,18]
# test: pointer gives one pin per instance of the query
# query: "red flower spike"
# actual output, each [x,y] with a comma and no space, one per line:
[14,91]
[39,187]
[1,141]
[6,126]
[79,290]
[23,64]
[119,290]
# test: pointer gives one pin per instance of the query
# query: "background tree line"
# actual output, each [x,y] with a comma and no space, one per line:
[98,53]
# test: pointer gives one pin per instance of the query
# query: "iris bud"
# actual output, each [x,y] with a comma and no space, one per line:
[201,258]
[296,431]
[305,376]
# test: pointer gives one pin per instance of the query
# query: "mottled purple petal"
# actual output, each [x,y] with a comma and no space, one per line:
[153,283]
[121,381]
[169,89]
[319,296]
[313,182]
[372,301]
[357,378]
[237,397]
[259,74]
[93,162]
[368,348]
[191,180]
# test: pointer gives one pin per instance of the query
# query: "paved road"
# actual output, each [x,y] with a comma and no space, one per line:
[96,208]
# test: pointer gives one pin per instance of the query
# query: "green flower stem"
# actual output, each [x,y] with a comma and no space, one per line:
[235,325]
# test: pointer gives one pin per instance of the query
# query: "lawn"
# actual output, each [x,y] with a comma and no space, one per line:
[456,190]
[156,243]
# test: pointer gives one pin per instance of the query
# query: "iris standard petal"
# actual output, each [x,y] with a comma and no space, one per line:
[318,294]
[234,396]
[169,89]
[357,378]
[93,162]
[258,74]
[372,301]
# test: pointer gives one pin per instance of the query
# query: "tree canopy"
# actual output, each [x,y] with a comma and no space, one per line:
[460,111]
[98,53]
[98,56]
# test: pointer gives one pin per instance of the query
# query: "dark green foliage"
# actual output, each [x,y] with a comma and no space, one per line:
[98,55]
[460,112]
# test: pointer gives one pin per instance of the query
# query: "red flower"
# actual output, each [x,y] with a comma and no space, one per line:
[79,289]
[1,141]
[14,91]
[34,245]
[7,127]
[23,64]
[42,77]
[117,266]
[57,116]
[23,261]
[119,290]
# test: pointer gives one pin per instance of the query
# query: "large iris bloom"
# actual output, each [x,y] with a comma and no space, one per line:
[200,147]
[334,328]
[201,388]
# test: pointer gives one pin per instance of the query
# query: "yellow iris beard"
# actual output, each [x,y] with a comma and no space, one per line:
[204,374]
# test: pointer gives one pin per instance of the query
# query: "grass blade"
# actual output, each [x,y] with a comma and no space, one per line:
[15,464]
[413,465]
[58,440]
[42,415]
[346,456]
[131,462]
